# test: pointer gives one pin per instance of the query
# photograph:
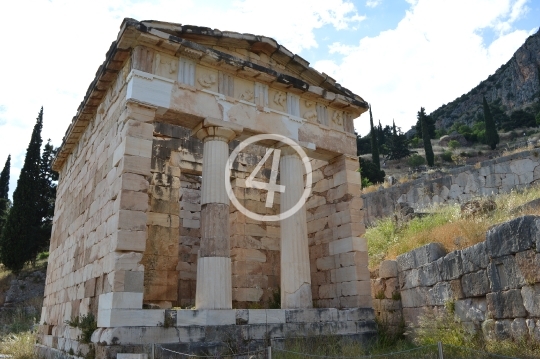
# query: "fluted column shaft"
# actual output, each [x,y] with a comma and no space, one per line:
[295,273]
[214,287]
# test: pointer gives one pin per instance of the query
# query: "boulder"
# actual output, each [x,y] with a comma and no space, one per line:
[444,140]
[476,207]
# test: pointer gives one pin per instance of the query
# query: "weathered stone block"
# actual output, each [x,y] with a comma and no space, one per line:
[518,328]
[439,294]
[388,269]
[413,298]
[471,309]
[406,261]
[474,258]
[507,304]
[513,236]
[409,278]
[475,284]
[391,288]
[429,274]
[263,316]
[503,273]
[350,244]
[531,299]
[450,265]
[429,253]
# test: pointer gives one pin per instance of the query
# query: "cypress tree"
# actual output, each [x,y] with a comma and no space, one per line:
[18,240]
[422,117]
[492,137]
[48,194]
[374,146]
[4,191]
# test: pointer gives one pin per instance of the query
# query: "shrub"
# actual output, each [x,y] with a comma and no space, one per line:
[453,144]
[416,160]
[446,156]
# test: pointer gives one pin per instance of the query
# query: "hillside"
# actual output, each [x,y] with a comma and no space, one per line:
[514,86]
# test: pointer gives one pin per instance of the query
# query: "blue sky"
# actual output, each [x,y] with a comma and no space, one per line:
[399,55]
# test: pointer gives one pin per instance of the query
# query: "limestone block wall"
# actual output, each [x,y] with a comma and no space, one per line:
[499,175]
[99,224]
[493,286]
[338,253]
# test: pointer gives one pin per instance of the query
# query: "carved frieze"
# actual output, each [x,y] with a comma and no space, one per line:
[207,80]
[280,99]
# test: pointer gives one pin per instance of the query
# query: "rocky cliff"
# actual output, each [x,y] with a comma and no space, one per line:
[514,86]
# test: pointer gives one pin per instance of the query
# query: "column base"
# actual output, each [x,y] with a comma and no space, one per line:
[214,283]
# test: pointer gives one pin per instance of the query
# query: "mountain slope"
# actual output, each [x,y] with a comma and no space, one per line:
[514,86]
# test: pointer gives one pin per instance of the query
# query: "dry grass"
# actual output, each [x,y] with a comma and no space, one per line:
[17,336]
[446,225]
[20,345]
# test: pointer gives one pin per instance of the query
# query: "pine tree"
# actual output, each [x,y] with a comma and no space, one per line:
[398,144]
[492,137]
[422,117]
[374,146]
[4,191]
[18,240]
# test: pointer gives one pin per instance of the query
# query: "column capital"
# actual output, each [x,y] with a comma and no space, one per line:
[216,129]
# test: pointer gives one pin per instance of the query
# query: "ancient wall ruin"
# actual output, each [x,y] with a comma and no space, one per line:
[492,287]
[458,185]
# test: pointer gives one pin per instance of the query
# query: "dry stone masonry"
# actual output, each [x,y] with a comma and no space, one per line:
[143,222]
[459,185]
[493,286]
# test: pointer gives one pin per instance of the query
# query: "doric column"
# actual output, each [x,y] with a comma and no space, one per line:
[295,273]
[214,287]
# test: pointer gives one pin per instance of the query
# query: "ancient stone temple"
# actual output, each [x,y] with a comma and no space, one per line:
[170,234]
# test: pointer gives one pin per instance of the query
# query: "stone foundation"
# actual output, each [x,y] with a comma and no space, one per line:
[204,331]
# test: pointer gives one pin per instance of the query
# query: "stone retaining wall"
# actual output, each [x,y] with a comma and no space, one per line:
[500,175]
[493,286]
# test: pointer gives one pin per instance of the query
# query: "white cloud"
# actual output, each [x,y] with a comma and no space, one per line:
[373,3]
[56,48]
[434,54]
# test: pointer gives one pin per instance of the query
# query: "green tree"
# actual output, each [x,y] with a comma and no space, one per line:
[18,240]
[374,146]
[422,117]
[430,125]
[4,191]
[492,137]
[369,171]
[48,195]
[398,146]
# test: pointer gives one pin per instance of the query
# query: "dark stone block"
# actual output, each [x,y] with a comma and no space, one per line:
[474,258]
[507,304]
[475,284]
[450,265]
[503,273]
[513,236]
